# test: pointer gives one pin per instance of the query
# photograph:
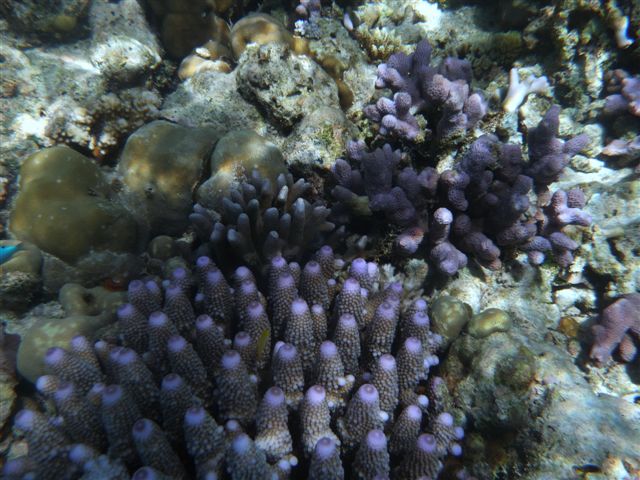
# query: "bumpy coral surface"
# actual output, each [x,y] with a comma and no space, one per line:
[211,375]
[67,208]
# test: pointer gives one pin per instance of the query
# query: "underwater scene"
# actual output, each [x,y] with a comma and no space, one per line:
[320,239]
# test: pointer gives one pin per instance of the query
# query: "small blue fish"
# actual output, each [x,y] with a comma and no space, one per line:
[7,251]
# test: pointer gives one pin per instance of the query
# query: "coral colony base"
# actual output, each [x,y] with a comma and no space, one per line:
[307,240]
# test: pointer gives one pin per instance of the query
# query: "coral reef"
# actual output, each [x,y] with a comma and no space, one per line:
[235,157]
[210,56]
[58,20]
[148,402]
[86,311]
[504,379]
[203,141]
[480,205]
[8,381]
[90,93]
[286,86]
[20,274]
[260,29]
[186,25]
[309,12]
[520,89]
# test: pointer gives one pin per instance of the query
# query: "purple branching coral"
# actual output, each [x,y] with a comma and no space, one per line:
[624,95]
[316,383]
[479,207]
[259,220]
[623,101]
[441,94]
[619,322]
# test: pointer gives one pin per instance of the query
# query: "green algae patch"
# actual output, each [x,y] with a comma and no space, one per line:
[489,321]
[65,207]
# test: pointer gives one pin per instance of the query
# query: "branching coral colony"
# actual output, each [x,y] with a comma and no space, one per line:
[213,375]
[482,205]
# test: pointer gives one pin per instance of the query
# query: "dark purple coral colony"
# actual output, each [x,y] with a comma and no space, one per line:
[323,374]
[479,207]
[442,94]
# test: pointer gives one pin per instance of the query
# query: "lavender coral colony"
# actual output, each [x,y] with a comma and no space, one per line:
[322,374]
[479,208]
[442,94]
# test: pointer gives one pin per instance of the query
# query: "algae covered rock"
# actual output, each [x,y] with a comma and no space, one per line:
[449,316]
[162,247]
[235,157]
[489,321]
[183,31]
[160,166]
[77,300]
[319,138]
[283,84]
[513,386]
[49,19]
[65,207]
[124,59]
[211,98]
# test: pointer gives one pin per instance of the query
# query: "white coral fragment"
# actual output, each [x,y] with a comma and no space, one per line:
[518,90]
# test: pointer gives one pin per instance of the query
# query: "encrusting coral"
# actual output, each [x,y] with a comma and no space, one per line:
[175,395]
[66,207]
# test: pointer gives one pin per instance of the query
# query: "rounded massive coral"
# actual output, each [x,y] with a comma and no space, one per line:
[160,166]
[67,208]
[321,373]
